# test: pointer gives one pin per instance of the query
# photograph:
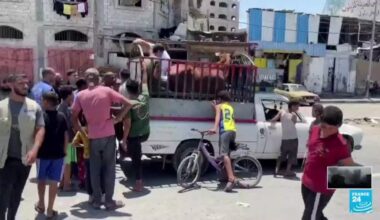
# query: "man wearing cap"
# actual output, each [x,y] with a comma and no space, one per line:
[327,147]
[95,102]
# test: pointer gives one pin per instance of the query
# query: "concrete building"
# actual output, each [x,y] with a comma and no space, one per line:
[212,15]
[35,34]
[223,14]
[362,9]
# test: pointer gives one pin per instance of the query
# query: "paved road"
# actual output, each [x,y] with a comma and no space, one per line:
[276,199]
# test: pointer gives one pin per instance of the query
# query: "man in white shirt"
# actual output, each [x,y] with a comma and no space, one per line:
[289,143]
[158,51]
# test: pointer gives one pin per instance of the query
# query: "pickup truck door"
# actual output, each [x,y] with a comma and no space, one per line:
[274,133]
[269,133]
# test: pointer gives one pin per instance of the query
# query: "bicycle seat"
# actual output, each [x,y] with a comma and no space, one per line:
[200,132]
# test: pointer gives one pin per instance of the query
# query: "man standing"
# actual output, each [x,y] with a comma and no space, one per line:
[96,104]
[72,77]
[136,125]
[289,143]
[21,135]
[44,86]
[158,51]
[326,147]
[316,112]
[5,89]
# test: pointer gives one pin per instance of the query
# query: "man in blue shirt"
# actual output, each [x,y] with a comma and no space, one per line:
[44,86]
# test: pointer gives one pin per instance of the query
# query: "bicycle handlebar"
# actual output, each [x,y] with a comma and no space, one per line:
[201,132]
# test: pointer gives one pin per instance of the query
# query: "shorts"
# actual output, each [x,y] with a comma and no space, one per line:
[225,140]
[71,154]
[289,150]
[50,169]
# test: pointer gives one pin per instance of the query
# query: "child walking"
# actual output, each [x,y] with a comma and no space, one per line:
[51,155]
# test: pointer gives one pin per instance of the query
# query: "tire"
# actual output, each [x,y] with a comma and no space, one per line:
[186,149]
[248,170]
[188,172]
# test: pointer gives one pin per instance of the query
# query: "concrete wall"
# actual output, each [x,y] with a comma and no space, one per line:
[313,81]
[362,68]
[146,19]
[339,70]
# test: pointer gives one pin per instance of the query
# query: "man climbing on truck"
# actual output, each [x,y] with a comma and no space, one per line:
[225,124]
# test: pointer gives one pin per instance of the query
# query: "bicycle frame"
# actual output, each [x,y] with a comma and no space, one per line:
[202,150]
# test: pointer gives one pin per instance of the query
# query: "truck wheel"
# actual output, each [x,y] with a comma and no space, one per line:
[186,149]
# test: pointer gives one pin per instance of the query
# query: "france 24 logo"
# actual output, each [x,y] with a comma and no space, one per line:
[361,201]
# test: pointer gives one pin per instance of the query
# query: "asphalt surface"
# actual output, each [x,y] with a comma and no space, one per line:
[274,199]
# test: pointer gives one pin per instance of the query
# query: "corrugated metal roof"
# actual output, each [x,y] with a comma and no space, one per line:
[315,50]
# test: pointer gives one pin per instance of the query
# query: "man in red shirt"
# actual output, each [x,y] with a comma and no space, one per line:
[95,102]
[327,147]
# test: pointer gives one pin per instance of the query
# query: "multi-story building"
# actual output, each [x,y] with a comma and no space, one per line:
[212,15]
[223,14]
[34,34]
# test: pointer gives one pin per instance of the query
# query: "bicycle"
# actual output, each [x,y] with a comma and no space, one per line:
[247,169]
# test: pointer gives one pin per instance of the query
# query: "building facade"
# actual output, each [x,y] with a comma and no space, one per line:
[63,35]
[223,14]
[212,15]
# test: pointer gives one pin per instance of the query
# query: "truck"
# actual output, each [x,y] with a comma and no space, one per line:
[182,102]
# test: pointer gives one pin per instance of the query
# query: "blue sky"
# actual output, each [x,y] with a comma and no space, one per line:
[307,6]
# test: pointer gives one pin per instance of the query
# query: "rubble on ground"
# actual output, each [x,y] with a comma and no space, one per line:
[363,121]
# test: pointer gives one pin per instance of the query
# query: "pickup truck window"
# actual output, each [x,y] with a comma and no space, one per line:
[272,107]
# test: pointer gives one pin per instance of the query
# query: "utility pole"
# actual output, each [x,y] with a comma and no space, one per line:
[97,34]
[371,50]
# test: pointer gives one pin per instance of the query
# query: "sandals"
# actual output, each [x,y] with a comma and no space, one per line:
[114,205]
[231,184]
[53,215]
[40,210]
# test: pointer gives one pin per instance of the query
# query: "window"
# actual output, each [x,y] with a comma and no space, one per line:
[233,29]
[10,33]
[212,15]
[233,18]
[234,6]
[212,3]
[222,28]
[130,3]
[71,35]
[212,27]
[222,16]
[223,5]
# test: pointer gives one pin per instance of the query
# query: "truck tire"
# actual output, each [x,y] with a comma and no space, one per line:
[186,149]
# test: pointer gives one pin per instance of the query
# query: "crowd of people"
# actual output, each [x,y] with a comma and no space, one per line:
[56,123]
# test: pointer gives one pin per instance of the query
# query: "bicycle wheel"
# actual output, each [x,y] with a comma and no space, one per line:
[248,170]
[188,172]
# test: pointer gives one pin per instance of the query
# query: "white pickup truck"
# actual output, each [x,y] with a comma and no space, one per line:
[172,120]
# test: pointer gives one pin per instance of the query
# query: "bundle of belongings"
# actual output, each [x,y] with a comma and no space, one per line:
[70,8]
